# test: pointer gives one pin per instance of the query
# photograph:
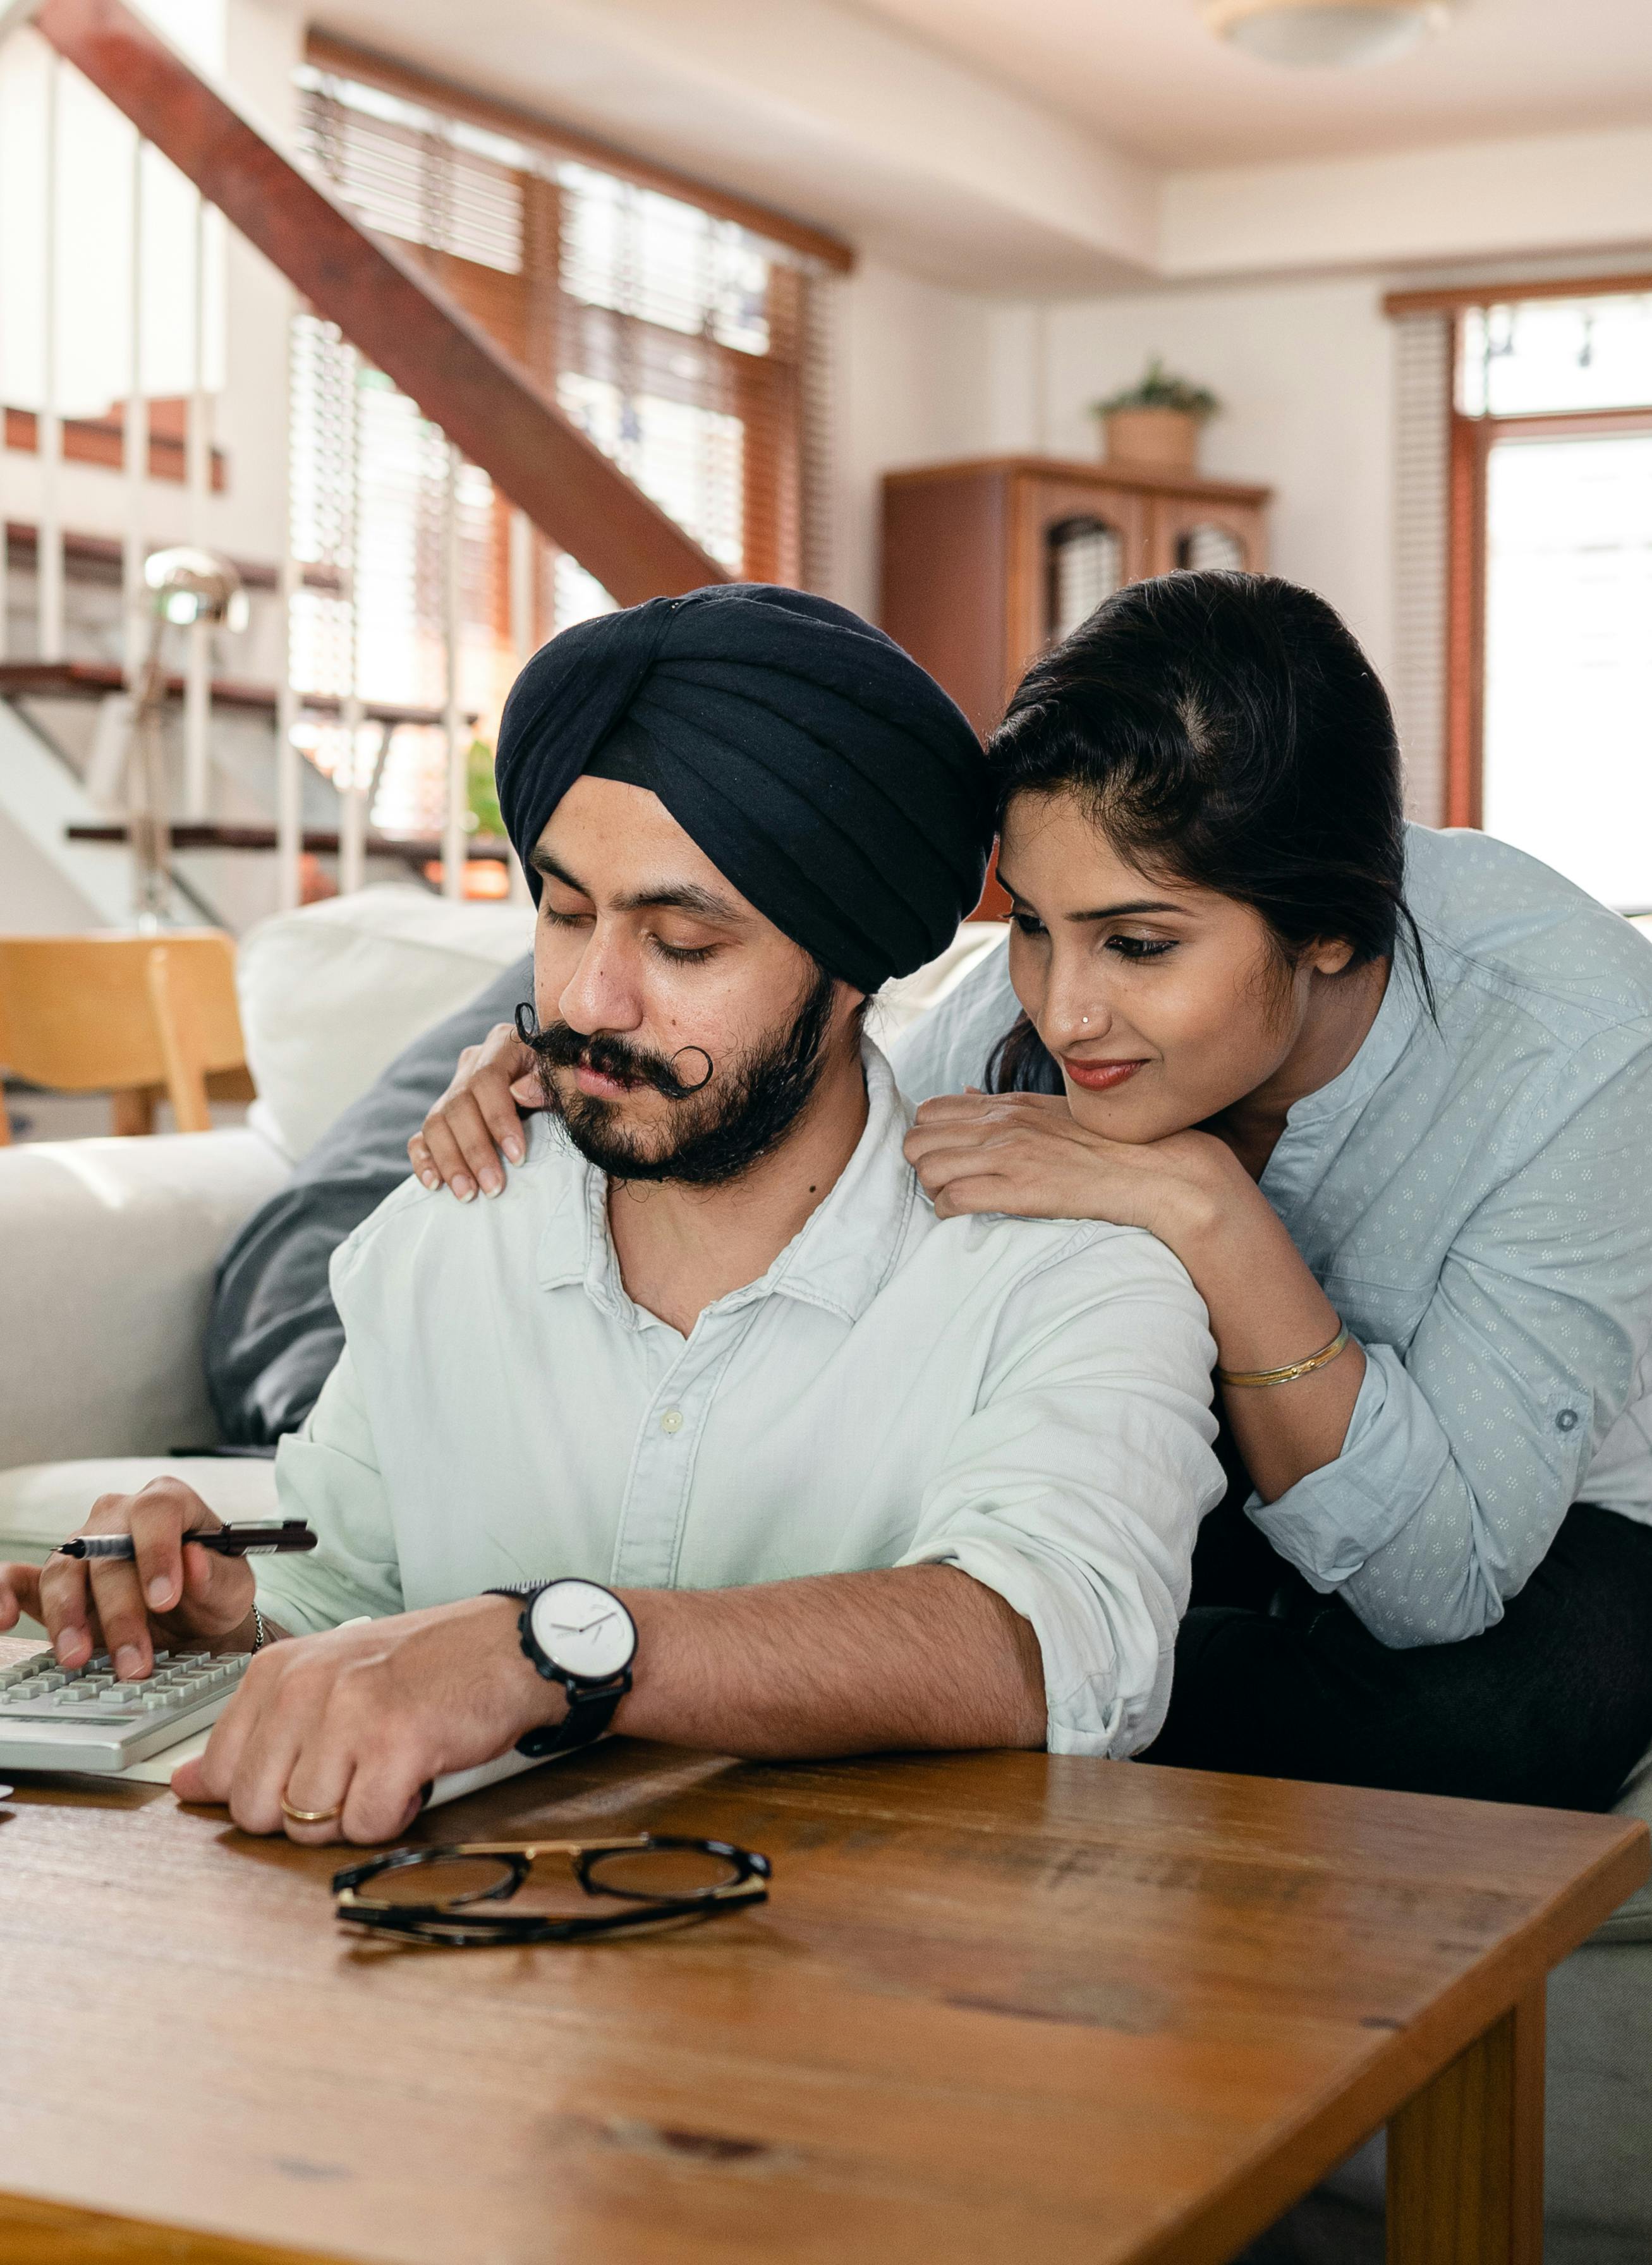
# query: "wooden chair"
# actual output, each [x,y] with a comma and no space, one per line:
[135,1016]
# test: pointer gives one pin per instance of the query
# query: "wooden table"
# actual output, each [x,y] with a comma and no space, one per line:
[1000,2007]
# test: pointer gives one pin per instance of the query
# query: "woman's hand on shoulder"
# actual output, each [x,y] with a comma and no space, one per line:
[1026,1154]
[478,1119]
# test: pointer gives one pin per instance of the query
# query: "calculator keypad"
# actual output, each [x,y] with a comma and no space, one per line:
[38,1689]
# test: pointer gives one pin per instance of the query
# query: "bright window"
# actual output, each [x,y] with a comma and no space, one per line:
[1569,658]
[677,339]
[1551,704]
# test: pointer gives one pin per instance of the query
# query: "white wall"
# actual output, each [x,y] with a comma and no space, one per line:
[913,366]
[1305,371]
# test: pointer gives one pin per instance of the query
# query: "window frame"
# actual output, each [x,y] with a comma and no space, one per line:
[1473,440]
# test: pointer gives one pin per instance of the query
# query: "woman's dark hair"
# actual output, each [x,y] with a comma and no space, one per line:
[1223,729]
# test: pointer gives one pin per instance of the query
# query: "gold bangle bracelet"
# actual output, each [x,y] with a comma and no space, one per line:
[1250,1377]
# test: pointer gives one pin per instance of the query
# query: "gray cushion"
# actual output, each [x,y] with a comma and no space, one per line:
[1632,1921]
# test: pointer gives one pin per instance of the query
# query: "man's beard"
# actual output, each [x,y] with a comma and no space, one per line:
[716,1134]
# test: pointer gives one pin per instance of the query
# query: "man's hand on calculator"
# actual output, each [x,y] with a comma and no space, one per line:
[168,1595]
[334,1737]
[345,1729]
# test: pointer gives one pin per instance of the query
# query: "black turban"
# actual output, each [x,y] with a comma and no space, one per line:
[818,768]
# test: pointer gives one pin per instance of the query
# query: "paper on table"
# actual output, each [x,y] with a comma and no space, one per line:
[157,1770]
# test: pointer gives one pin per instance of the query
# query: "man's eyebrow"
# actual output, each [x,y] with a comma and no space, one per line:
[543,862]
[670,896]
[1101,912]
[680,897]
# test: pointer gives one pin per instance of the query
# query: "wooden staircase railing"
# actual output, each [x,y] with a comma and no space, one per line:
[384,305]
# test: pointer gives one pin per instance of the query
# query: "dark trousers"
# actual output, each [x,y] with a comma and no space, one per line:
[1553,1706]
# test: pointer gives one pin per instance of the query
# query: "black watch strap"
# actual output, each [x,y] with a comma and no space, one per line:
[592,1706]
[589,1714]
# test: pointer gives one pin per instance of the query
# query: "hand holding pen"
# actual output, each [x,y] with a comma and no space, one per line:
[253,1539]
[158,1568]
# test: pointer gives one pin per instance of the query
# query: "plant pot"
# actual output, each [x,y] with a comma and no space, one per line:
[1165,438]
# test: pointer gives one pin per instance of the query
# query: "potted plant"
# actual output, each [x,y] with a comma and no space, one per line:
[1156,421]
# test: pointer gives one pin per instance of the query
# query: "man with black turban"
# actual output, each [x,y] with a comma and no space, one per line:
[707,1429]
[820,769]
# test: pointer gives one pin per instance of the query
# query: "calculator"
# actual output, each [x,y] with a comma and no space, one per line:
[85,1718]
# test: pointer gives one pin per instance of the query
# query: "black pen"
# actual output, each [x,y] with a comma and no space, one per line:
[245,1541]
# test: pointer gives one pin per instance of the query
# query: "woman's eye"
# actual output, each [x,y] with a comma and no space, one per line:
[1139,947]
[1028,923]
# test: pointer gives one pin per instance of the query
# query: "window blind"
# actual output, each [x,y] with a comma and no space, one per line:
[689,348]
[1422,401]
[676,339]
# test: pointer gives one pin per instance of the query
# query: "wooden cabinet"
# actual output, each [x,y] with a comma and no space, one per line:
[987,564]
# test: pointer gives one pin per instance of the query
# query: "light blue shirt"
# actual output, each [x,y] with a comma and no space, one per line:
[1475,1195]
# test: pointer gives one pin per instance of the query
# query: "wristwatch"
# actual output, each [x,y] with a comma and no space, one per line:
[578,1635]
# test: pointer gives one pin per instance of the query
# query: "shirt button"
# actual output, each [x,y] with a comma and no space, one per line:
[671,1420]
[1566,1420]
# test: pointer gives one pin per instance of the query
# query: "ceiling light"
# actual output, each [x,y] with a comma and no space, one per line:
[1325,32]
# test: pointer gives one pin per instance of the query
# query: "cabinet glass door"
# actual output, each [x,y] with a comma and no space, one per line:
[1207,545]
[1085,562]
[1204,533]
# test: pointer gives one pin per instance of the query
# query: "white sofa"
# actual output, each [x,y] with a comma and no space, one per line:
[108,1250]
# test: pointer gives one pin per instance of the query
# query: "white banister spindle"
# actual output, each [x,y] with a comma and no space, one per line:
[522,562]
[289,783]
[137,443]
[49,555]
[353,804]
[198,472]
[455,839]
[521,566]
[5,325]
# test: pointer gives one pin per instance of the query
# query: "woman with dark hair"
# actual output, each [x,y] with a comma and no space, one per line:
[1388,1094]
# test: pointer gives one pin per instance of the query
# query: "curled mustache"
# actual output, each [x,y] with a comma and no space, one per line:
[562,1047]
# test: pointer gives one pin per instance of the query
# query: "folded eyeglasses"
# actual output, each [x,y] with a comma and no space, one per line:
[655,1880]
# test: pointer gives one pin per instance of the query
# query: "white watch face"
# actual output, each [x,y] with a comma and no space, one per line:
[584,1630]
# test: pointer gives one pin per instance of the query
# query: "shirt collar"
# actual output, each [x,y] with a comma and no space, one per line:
[839,1259]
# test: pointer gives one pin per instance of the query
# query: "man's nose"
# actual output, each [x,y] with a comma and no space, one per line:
[603,993]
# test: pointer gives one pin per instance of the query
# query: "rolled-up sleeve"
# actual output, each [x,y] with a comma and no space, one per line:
[1463,1454]
[328,1473]
[1076,1487]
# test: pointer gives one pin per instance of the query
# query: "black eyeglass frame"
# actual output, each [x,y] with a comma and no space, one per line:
[456,1922]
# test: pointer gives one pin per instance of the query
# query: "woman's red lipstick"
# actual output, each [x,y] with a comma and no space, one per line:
[1100,1076]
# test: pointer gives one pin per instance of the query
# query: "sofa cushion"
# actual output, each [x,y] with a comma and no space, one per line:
[106,1255]
[1632,1921]
[43,1504]
[330,995]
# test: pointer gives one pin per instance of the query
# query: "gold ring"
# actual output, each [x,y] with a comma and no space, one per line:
[311,1815]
